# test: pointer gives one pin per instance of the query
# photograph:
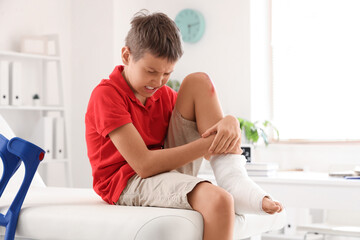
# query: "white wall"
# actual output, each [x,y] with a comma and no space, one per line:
[223,52]
[93,53]
[260,70]
[311,157]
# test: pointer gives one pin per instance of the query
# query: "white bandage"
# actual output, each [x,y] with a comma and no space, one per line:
[231,175]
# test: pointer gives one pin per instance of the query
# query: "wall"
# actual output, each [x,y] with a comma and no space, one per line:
[260,70]
[92,49]
[223,52]
[311,157]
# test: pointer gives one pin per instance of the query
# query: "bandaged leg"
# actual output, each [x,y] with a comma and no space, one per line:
[231,175]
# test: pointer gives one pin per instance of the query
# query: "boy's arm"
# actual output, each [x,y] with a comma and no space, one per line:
[147,162]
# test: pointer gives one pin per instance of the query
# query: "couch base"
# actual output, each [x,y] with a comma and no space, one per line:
[70,213]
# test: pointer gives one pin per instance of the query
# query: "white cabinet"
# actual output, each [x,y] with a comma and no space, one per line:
[32,102]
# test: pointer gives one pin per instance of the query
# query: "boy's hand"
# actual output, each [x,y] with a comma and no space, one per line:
[228,136]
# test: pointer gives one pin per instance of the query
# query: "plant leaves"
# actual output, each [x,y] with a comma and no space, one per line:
[254,130]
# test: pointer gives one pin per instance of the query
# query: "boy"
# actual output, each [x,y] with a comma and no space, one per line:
[145,142]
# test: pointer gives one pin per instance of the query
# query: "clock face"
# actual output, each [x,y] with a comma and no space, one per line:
[191,24]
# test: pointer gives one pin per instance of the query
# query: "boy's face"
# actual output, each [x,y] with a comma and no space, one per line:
[146,75]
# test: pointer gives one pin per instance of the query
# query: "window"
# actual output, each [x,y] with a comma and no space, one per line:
[316,69]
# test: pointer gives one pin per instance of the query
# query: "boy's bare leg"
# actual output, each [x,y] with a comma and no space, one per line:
[217,208]
[198,101]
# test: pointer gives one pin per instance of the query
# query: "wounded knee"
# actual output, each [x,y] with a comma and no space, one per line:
[201,81]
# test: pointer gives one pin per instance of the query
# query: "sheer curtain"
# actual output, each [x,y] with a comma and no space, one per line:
[316,68]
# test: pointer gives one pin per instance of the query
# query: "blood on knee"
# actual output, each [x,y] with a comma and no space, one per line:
[212,87]
[206,81]
[200,80]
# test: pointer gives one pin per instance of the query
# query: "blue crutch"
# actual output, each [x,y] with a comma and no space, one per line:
[12,153]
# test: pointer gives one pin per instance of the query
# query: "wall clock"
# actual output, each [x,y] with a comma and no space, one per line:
[191,24]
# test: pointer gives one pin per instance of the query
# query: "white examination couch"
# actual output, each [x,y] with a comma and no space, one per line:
[76,214]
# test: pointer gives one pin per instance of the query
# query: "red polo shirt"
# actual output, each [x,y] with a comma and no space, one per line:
[111,105]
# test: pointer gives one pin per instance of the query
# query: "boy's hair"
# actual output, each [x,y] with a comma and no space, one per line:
[154,33]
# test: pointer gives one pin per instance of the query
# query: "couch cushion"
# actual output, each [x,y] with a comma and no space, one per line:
[70,213]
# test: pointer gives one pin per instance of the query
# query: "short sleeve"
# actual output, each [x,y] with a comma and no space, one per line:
[108,110]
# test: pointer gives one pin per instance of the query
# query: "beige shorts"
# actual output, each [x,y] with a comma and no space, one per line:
[168,189]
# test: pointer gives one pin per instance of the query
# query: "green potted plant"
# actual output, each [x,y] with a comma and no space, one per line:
[174,84]
[36,99]
[252,132]
[255,130]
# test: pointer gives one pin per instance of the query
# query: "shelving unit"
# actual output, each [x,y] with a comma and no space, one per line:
[26,118]
[33,108]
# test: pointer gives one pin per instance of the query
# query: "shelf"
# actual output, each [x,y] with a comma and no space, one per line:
[33,108]
[293,236]
[328,229]
[54,160]
[29,56]
[45,120]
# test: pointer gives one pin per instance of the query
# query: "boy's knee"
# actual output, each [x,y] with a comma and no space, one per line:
[223,201]
[198,75]
[211,199]
[219,201]
[198,81]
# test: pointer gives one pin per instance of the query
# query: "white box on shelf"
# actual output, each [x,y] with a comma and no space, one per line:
[43,44]
[33,45]
[261,173]
[4,82]
[262,166]
[43,136]
[15,85]
[59,138]
[262,169]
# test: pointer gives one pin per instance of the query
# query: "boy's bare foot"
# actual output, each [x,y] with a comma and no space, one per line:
[270,206]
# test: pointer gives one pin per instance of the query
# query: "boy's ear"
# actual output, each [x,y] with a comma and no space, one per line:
[125,55]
